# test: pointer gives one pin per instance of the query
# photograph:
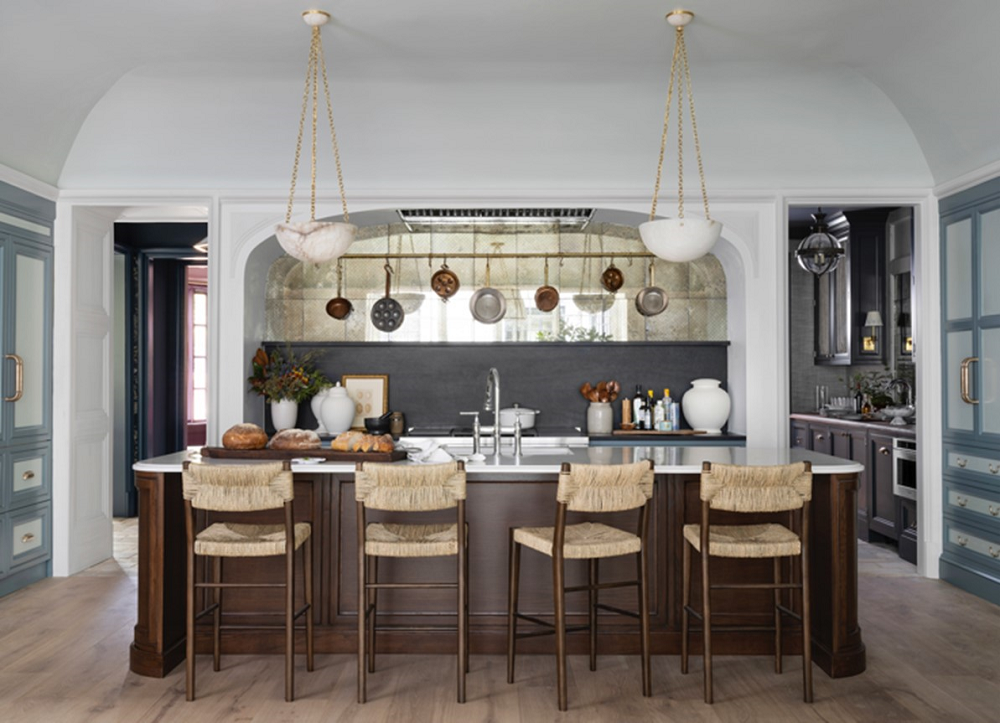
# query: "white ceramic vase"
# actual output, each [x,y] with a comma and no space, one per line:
[600,418]
[316,404]
[706,405]
[338,410]
[284,412]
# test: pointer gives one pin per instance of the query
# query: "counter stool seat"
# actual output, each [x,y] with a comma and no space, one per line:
[583,541]
[392,539]
[233,539]
[750,541]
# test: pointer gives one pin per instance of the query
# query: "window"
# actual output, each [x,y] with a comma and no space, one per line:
[197,314]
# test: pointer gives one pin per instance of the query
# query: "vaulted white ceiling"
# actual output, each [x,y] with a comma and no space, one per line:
[525,95]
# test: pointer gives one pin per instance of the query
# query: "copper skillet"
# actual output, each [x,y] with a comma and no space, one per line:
[444,282]
[546,297]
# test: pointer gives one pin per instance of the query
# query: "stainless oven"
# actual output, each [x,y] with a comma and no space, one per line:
[904,468]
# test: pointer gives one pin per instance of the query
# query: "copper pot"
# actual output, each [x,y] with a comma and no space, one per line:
[612,278]
[546,297]
[444,282]
[339,307]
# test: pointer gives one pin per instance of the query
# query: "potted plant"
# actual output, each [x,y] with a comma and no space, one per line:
[285,381]
[873,386]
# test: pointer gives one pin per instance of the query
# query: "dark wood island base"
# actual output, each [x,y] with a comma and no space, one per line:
[417,622]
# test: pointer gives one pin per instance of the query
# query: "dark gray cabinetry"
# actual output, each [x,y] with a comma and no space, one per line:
[882,514]
[25,389]
[970,324]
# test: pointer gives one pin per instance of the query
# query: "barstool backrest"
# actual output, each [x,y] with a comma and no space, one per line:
[736,488]
[605,488]
[238,488]
[412,488]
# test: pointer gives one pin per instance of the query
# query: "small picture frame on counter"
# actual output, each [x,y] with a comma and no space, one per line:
[370,393]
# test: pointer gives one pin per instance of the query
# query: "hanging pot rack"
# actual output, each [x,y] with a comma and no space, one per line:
[516,255]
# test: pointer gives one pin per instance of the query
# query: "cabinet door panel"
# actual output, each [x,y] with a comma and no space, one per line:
[958,270]
[29,343]
[821,440]
[958,415]
[883,510]
[988,381]
[989,262]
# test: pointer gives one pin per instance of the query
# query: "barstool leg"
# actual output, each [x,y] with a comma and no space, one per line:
[290,625]
[592,607]
[461,612]
[189,632]
[514,569]
[685,602]
[647,675]
[560,604]
[706,606]
[217,615]
[777,615]
[467,605]
[807,680]
[371,608]
[307,581]
[362,623]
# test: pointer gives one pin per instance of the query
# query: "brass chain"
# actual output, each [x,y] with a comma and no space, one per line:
[333,135]
[663,138]
[316,61]
[302,124]
[694,126]
[680,54]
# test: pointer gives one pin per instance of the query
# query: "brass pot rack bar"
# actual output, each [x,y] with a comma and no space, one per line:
[479,255]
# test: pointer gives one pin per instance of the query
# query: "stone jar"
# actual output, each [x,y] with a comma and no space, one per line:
[706,405]
[600,418]
[316,404]
[338,410]
[284,412]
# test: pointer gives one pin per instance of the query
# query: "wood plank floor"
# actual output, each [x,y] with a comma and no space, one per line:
[933,655]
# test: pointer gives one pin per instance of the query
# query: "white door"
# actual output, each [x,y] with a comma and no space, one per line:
[82,383]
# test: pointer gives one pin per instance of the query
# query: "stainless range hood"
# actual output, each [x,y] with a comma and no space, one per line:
[500,219]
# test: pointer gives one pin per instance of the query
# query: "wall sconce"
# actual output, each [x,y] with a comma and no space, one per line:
[873,319]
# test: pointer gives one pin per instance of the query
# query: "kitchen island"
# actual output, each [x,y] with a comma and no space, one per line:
[503,491]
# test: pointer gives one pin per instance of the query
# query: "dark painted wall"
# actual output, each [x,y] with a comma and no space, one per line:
[432,383]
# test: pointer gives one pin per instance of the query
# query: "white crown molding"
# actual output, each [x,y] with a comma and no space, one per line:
[968,180]
[29,184]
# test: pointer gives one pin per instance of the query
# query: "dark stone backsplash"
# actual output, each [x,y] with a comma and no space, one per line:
[431,383]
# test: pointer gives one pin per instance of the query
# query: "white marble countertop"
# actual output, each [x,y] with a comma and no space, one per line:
[545,459]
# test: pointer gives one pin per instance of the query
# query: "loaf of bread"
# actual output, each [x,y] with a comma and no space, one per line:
[295,439]
[361,442]
[244,436]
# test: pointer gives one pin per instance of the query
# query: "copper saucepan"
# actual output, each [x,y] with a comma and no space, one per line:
[546,297]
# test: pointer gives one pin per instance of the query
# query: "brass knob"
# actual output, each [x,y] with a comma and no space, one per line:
[962,541]
[995,553]
[995,511]
[961,462]
[883,450]
[994,468]
[28,537]
[961,501]
[819,437]
[28,475]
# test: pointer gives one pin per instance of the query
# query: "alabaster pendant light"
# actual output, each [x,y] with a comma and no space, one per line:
[312,240]
[680,239]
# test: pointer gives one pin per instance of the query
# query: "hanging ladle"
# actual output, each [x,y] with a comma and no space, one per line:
[339,307]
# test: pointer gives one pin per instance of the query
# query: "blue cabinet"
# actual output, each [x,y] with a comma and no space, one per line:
[970,320]
[25,389]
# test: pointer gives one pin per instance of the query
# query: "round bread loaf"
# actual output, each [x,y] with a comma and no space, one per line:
[244,436]
[295,439]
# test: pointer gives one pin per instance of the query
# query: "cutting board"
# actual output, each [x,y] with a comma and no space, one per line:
[658,433]
[326,453]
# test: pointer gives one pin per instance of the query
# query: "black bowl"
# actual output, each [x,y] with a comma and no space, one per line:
[377,425]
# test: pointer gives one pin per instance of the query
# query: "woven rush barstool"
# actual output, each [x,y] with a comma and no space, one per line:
[592,489]
[741,489]
[418,488]
[245,488]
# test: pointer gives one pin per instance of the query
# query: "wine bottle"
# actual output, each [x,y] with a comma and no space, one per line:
[637,401]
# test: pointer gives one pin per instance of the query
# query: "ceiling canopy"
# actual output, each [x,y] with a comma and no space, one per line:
[501,95]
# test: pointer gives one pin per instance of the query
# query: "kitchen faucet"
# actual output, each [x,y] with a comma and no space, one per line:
[908,399]
[493,404]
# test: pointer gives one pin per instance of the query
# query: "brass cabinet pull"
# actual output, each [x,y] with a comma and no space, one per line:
[994,468]
[961,501]
[963,379]
[819,437]
[28,475]
[18,378]
[884,450]
[995,511]
[961,462]
[27,537]
[962,541]
[994,553]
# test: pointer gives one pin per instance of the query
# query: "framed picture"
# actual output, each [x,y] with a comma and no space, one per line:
[370,393]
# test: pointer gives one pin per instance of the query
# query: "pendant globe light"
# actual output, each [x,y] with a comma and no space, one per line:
[820,252]
[680,239]
[312,240]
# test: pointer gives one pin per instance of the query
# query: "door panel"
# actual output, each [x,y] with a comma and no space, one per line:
[989,266]
[31,307]
[958,274]
[959,415]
